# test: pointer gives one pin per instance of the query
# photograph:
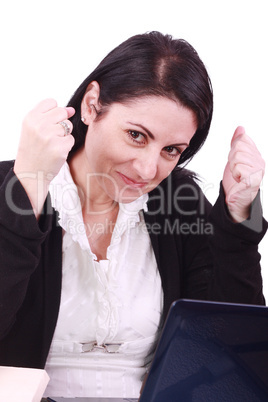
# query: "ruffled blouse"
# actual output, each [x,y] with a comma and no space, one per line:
[110,309]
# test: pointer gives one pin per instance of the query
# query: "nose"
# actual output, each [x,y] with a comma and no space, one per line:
[146,165]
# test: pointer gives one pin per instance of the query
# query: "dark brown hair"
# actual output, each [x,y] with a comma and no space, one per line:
[151,64]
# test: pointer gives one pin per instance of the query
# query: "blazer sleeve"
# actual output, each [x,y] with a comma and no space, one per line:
[220,258]
[234,248]
[21,237]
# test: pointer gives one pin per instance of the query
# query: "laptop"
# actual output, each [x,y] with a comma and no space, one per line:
[208,351]
[90,400]
[211,352]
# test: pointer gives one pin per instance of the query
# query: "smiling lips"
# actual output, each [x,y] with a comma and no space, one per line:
[132,183]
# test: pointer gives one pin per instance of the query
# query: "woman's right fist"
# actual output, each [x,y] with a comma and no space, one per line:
[43,148]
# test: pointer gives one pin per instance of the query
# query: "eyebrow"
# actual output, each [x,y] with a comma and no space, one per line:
[143,128]
[151,135]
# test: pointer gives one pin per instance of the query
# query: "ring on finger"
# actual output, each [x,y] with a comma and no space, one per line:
[66,127]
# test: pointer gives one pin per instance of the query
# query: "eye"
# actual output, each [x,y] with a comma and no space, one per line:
[136,136]
[172,152]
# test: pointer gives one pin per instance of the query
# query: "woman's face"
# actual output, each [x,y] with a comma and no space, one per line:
[134,146]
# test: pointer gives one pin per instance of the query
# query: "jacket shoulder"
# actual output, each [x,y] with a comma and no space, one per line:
[179,194]
[5,167]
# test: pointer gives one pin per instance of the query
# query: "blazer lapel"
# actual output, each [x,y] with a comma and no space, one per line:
[167,251]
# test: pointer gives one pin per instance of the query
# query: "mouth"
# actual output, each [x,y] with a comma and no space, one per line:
[132,183]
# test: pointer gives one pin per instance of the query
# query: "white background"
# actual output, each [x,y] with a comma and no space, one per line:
[49,47]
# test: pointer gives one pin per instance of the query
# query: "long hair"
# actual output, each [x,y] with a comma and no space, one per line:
[151,64]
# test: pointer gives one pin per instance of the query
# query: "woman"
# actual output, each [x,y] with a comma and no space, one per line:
[96,249]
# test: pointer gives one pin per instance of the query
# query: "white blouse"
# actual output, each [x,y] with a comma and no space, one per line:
[110,310]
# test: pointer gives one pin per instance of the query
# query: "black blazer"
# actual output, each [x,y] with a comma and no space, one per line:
[200,252]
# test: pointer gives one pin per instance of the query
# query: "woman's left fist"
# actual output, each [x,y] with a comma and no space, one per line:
[243,175]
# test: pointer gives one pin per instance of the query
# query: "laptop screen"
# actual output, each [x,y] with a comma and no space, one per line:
[211,352]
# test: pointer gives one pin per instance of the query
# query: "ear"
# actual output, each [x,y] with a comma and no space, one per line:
[90,99]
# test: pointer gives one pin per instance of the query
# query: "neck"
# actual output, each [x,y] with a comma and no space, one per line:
[93,198]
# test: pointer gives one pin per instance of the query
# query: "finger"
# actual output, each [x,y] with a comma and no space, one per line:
[253,161]
[250,177]
[243,148]
[242,194]
[240,172]
[243,140]
[46,105]
[49,105]
[60,114]
[70,111]
[234,192]
[55,115]
[246,153]
[238,132]
[65,144]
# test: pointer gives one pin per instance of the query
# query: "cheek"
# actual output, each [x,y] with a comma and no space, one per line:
[97,152]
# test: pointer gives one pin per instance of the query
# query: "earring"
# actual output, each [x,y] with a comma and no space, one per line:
[83,119]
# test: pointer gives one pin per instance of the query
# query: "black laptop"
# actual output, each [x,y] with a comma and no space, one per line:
[211,352]
[208,352]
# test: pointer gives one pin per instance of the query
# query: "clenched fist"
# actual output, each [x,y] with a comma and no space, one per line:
[43,149]
[243,175]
